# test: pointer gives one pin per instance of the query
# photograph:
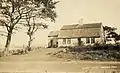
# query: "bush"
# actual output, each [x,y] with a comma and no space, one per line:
[106,47]
[65,46]
[79,49]
[95,47]
[99,52]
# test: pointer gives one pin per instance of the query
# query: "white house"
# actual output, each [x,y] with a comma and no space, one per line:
[87,34]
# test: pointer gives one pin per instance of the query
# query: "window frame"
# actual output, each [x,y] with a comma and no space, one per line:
[92,40]
[69,41]
[64,40]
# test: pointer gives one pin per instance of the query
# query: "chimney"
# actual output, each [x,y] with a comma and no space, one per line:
[81,21]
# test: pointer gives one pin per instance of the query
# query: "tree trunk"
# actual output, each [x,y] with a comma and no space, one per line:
[29,42]
[7,43]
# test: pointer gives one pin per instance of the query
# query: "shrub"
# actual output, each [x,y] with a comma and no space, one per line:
[79,49]
[65,47]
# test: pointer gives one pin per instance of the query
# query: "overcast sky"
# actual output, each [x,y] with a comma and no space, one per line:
[71,11]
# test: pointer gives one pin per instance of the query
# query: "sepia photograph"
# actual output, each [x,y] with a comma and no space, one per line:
[59,36]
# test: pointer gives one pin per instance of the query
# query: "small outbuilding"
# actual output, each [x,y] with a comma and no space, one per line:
[53,39]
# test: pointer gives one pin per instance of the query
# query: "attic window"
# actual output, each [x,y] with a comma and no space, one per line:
[87,40]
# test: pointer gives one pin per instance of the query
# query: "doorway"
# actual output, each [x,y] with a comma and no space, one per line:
[51,43]
[79,41]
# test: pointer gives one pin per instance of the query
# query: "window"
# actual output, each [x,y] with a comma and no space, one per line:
[87,40]
[64,41]
[68,41]
[92,40]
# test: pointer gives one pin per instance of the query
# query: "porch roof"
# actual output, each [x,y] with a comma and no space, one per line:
[53,34]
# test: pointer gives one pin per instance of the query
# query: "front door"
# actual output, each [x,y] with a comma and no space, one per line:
[51,42]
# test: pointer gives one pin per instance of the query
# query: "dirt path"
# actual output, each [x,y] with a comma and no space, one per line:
[38,55]
[38,61]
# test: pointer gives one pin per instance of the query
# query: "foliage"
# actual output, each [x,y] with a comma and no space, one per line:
[14,13]
[111,33]
[101,52]
[45,12]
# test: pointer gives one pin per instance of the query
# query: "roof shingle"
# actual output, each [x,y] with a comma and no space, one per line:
[77,26]
[85,30]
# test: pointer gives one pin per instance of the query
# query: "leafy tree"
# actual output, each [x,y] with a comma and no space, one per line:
[32,28]
[46,12]
[15,11]
[111,33]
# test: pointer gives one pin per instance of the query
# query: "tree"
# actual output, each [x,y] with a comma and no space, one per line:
[111,33]
[14,11]
[32,28]
[45,13]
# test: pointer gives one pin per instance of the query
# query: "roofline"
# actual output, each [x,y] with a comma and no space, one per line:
[93,23]
[79,37]
[53,36]
[79,28]
[82,25]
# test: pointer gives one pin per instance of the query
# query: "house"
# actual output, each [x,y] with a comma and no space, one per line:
[53,39]
[76,35]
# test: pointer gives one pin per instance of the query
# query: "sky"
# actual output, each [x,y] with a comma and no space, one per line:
[70,12]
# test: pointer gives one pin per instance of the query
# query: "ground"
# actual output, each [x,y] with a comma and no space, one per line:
[40,61]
